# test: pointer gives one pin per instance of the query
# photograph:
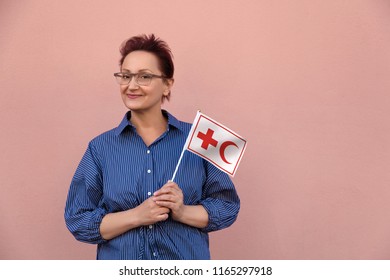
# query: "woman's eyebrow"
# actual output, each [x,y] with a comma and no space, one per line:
[139,71]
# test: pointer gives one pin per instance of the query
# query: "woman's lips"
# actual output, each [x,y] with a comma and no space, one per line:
[133,96]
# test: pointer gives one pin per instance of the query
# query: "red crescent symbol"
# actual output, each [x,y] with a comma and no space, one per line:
[223,148]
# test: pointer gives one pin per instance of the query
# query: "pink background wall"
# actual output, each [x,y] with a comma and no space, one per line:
[306,82]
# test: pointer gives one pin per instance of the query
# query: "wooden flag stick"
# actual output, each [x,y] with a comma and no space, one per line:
[184,147]
[178,163]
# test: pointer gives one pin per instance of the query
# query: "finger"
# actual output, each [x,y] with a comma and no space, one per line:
[162,217]
[165,197]
[167,204]
[167,188]
[170,184]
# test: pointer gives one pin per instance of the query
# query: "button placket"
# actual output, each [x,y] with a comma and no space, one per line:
[149,179]
[149,169]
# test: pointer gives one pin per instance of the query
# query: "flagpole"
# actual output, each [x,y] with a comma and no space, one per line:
[178,163]
[185,147]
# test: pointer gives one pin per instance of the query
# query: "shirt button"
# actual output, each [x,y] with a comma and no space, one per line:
[149,193]
[148,152]
[149,171]
[150,226]
[154,254]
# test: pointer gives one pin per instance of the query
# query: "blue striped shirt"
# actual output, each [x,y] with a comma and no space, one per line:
[118,172]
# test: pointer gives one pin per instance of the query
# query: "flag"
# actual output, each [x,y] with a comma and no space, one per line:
[214,142]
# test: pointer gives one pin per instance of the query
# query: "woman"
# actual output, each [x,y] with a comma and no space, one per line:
[121,198]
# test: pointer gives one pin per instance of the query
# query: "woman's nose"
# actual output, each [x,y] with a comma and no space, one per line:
[133,84]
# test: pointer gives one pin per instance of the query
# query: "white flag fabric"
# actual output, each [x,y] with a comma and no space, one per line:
[216,143]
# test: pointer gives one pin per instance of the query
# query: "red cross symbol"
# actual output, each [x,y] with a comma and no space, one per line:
[207,139]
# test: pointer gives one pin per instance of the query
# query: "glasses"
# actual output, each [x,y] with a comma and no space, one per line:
[141,79]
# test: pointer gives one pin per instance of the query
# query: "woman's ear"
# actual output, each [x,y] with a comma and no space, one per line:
[169,83]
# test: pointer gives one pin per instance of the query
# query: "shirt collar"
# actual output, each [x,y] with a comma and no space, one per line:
[172,121]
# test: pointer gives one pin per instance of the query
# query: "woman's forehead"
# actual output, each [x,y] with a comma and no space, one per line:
[140,61]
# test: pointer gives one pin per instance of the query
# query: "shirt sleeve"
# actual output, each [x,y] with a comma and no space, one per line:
[220,199]
[84,209]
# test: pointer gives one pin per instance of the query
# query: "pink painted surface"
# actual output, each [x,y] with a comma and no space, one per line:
[305,82]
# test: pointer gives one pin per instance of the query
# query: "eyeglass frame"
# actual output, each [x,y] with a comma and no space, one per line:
[137,75]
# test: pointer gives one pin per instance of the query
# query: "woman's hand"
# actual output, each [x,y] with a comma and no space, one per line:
[149,212]
[170,196]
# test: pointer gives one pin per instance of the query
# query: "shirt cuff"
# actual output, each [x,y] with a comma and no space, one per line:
[95,222]
[213,213]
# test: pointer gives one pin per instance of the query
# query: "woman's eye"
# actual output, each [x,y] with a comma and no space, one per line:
[144,77]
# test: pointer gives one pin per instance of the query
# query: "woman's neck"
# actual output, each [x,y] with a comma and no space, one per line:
[149,126]
[148,120]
